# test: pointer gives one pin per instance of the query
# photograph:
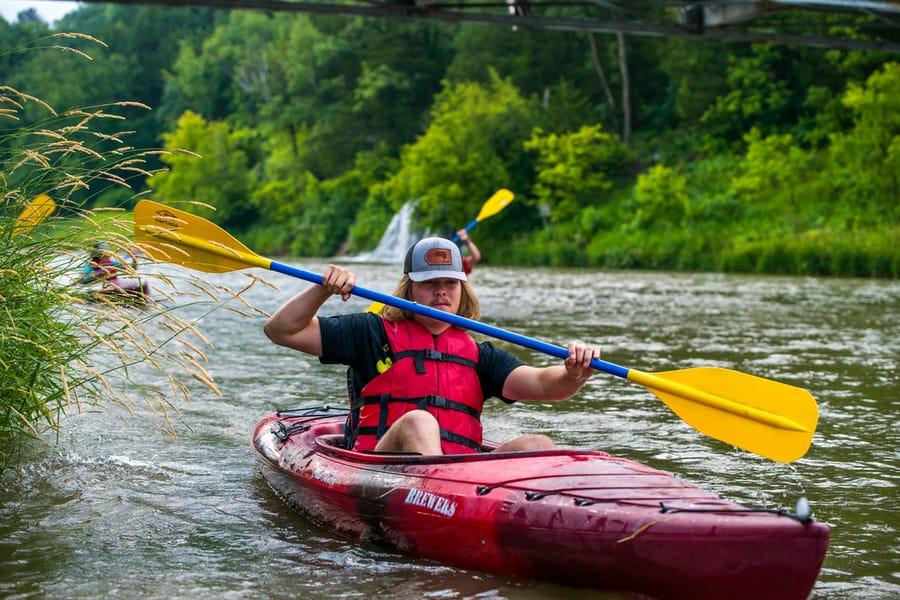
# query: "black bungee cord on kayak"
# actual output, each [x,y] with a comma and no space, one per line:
[801,512]
[309,416]
[312,412]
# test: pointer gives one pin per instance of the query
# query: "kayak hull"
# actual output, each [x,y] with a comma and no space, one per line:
[579,518]
[122,291]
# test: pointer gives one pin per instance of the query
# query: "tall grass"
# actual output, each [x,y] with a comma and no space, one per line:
[63,351]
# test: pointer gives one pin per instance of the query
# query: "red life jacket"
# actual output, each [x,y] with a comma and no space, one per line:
[431,373]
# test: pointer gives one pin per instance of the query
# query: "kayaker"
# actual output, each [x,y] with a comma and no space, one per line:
[102,265]
[474,256]
[105,266]
[401,361]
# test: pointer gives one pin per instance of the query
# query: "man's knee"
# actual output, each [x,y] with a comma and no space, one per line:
[527,443]
[537,441]
[416,431]
[418,420]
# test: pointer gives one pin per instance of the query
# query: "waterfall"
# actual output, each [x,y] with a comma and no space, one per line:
[396,240]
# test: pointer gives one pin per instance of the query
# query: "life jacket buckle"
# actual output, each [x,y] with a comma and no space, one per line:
[437,401]
[432,354]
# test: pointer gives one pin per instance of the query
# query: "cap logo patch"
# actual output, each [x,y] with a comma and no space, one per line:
[438,256]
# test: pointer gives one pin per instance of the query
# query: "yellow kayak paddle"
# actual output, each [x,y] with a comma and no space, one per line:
[500,200]
[766,417]
[37,210]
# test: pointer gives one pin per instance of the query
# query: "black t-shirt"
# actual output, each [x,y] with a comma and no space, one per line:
[359,341]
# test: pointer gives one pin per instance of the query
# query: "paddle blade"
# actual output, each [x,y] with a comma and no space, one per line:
[495,204]
[767,417]
[171,235]
[39,209]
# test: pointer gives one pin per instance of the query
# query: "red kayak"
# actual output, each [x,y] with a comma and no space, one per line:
[121,291]
[580,518]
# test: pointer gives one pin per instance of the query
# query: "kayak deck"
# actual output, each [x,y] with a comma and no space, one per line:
[581,518]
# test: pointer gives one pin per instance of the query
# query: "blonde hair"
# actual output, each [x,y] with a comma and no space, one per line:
[468,302]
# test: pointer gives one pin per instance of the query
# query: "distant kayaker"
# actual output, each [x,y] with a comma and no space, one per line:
[401,361]
[474,256]
[102,265]
[105,266]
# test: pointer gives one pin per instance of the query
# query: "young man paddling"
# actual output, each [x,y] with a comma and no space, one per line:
[401,362]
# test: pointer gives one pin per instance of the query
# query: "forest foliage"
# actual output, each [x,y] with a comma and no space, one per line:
[308,133]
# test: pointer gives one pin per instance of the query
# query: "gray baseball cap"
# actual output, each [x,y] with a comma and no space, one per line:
[434,258]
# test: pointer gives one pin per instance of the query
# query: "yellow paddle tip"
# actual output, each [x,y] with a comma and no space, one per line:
[769,418]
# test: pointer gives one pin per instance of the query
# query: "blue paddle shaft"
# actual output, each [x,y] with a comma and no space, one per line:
[462,322]
[456,237]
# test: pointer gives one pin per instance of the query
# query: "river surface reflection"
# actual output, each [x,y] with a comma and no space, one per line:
[120,510]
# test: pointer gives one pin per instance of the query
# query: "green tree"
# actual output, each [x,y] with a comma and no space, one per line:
[227,75]
[344,85]
[391,72]
[772,180]
[469,150]
[141,43]
[209,164]
[662,198]
[865,161]
[758,96]
[533,59]
[572,170]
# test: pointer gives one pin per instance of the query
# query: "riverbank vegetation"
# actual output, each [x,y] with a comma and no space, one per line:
[310,132]
[64,348]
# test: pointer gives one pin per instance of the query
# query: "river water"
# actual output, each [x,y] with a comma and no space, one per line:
[109,509]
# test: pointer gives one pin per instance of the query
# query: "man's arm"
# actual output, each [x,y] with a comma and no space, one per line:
[295,324]
[552,383]
[473,249]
